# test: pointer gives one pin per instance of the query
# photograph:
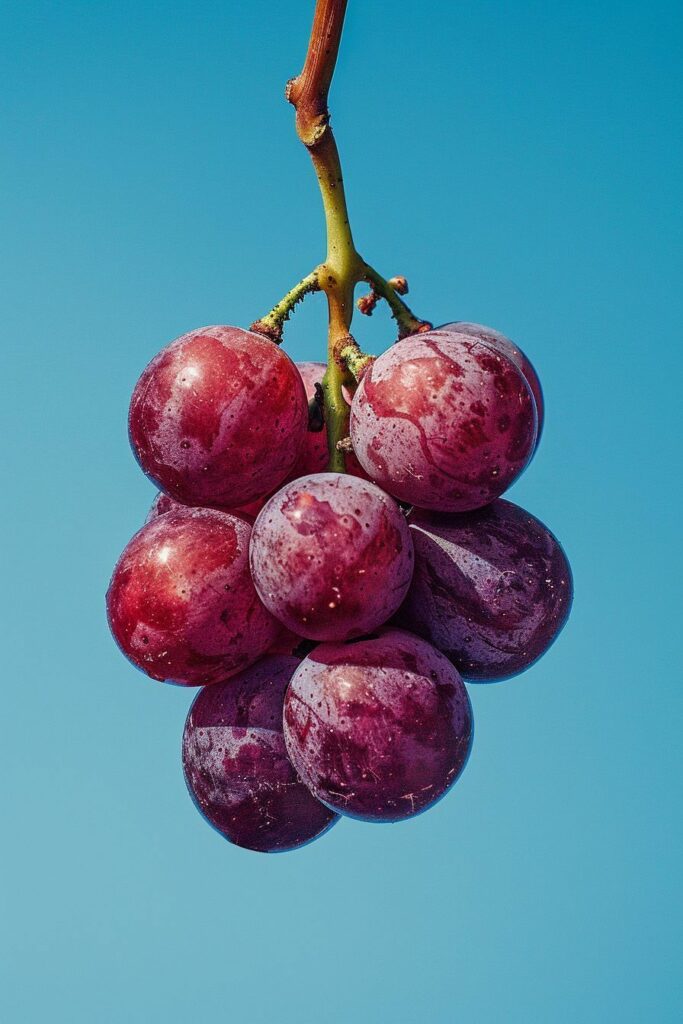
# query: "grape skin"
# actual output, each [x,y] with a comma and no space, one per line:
[218,417]
[442,421]
[163,504]
[313,456]
[331,556]
[181,603]
[492,589]
[378,729]
[506,347]
[236,766]
[287,642]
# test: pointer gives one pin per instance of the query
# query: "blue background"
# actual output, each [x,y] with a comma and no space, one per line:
[519,162]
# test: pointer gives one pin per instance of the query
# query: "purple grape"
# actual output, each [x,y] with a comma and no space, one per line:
[443,421]
[289,643]
[181,602]
[218,417]
[507,348]
[331,556]
[492,589]
[236,765]
[378,728]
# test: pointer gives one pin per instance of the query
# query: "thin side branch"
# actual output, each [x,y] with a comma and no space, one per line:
[407,322]
[271,325]
[356,360]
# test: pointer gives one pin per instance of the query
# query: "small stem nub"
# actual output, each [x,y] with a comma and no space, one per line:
[391,291]
[356,360]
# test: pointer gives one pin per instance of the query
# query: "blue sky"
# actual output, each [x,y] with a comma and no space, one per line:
[520,164]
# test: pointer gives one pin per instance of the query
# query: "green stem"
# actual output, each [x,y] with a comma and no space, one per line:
[355,360]
[343,267]
[271,324]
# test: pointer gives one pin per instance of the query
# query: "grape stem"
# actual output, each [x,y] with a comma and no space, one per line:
[391,292]
[272,324]
[343,267]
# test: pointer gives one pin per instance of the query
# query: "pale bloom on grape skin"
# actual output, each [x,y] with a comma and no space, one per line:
[380,728]
[331,556]
[443,421]
[492,589]
[501,343]
[236,765]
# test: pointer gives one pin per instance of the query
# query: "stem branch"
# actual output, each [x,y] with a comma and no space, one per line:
[407,322]
[271,324]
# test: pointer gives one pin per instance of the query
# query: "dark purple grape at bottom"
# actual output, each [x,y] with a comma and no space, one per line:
[491,589]
[236,765]
[379,728]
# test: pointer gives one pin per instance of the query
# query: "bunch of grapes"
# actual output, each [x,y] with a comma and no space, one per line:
[329,556]
[330,618]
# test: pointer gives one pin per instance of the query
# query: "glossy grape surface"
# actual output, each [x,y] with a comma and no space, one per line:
[181,602]
[237,768]
[506,347]
[218,418]
[161,505]
[491,589]
[443,421]
[331,556]
[164,503]
[378,728]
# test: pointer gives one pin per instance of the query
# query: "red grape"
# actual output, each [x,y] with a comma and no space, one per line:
[163,503]
[218,417]
[443,421]
[236,765]
[378,728]
[506,347]
[181,603]
[491,589]
[313,456]
[331,556]
[252,508]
